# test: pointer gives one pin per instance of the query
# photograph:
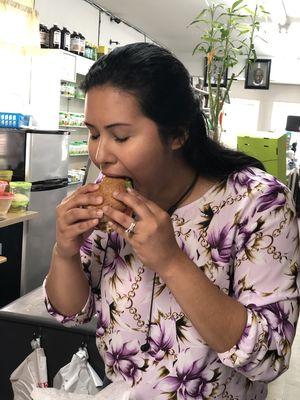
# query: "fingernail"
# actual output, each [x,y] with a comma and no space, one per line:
[116,194]
[129,189]
[105,208]
[99,199]
[99,213]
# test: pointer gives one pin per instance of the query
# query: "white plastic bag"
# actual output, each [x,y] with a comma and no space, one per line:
[78,376]
[115,391]
[32,372]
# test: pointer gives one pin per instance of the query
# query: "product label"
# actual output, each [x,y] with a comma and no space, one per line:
[82,46]
[43,37]
[56,38]
[75,44]
[67,41]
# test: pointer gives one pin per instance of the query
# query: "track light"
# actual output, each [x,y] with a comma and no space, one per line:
[115,19]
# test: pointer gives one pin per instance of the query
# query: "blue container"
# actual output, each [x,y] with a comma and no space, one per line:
[13,120]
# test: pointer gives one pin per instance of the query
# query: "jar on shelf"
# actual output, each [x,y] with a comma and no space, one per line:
[54,37]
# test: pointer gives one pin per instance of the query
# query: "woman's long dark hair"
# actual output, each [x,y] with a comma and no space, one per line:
[161,85]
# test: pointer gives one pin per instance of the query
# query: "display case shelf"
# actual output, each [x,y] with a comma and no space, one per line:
[73,126]
[75,183]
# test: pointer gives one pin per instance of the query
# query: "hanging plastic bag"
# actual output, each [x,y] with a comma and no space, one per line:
[31,373]
[115,391]
[78,376]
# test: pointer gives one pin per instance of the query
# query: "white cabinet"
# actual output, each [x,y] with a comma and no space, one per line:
[83,65]
[48,69]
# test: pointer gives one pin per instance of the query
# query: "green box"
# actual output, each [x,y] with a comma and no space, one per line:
[269,148]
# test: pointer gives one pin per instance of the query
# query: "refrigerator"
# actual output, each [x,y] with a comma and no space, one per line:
[40,157]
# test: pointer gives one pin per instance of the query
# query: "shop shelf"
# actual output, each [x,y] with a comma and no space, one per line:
[79,154]
[75,183]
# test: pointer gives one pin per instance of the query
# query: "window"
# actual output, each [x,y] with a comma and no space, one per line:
[280,111]
[241,116]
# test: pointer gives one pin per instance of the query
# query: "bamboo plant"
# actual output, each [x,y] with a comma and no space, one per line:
[228,36]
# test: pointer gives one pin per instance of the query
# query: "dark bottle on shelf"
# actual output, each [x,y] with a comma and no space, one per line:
[75,43]
[82,44]
[44,36]
[54,37]
[65,43]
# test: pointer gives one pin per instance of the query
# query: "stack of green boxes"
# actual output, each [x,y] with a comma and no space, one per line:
[269,148]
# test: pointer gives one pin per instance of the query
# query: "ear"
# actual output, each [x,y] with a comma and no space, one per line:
[179,141]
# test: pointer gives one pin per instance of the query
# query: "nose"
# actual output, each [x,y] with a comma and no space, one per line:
[104,154]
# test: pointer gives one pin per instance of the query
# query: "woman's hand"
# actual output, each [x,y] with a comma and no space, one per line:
[153,239]
[75,223]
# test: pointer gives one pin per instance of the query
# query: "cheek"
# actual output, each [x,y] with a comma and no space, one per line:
[92,149]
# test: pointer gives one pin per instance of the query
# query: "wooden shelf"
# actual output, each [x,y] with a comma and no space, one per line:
[15,218]
[2,259]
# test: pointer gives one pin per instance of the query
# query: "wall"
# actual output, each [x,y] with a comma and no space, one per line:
[277,92]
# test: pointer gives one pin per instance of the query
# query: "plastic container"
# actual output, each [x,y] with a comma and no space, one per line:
[3,186]
[21,191]
[6,175]
[5,202]
[13,120]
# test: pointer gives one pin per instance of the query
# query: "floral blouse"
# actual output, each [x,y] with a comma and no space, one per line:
[243,235]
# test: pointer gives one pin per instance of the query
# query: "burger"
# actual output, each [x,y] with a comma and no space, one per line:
[107,186]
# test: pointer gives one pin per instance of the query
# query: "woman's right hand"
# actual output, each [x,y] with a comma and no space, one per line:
[74,223]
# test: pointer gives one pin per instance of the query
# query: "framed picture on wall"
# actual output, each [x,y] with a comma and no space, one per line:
[215,69]
[258,74]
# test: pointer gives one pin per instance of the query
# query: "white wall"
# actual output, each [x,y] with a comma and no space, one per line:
[122,33]
[277,92]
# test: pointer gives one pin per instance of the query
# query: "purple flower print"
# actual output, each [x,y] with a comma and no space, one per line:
[161,340]
[241,180]
[220,245]
[192,380]
[103,318]
[121,360]
[273,197]
[246,229]
[278,321]
[86,247]
[113,260]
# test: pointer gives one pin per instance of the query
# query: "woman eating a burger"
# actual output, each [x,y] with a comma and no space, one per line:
[192,268]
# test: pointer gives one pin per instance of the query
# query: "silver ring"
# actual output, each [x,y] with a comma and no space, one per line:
[131,228]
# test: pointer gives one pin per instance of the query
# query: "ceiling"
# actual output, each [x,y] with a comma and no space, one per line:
[166,21]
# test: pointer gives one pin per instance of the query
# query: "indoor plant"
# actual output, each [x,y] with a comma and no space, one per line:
[228,37]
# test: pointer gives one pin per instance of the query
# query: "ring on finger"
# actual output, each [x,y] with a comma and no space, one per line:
[131,229]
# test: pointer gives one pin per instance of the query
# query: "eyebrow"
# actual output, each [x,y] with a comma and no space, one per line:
[108,126]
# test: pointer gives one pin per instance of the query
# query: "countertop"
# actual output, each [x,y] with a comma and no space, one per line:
[31,308]
[14,217]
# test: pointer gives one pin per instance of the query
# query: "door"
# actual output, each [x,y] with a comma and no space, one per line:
[39,235]
[46,155]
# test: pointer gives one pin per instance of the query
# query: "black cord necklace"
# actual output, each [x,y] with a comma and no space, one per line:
[146,346]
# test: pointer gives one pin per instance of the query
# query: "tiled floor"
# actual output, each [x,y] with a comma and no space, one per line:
[287,386]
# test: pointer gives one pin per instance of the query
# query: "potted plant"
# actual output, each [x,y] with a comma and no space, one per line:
[228,36]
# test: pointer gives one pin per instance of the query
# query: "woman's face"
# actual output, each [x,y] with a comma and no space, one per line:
[122,141]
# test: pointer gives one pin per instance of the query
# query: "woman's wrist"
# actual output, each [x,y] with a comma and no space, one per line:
[173,265]
[57,252]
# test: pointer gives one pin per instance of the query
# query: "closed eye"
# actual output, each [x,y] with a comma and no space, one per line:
[94,137]
[120,140]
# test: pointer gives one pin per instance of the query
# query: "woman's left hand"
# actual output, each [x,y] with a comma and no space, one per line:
[153,239]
